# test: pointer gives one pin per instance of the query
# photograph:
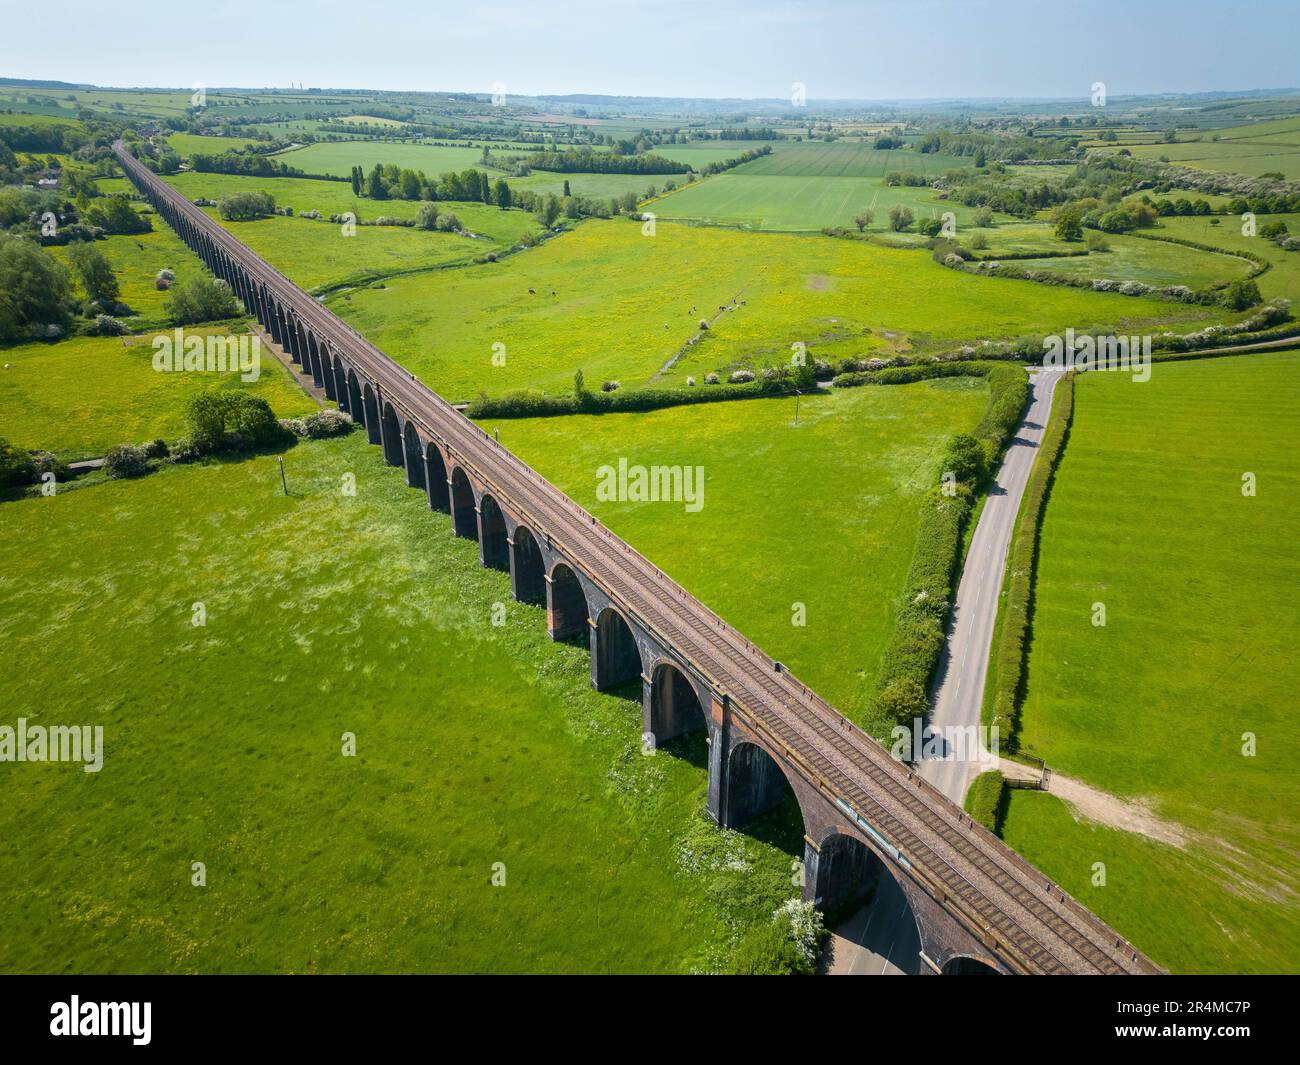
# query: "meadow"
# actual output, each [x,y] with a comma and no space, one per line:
[823,512]
[1148,517]
[80,396]
[1154,262]
[1282,279]
[475,745]
[640,299]
[1258,148]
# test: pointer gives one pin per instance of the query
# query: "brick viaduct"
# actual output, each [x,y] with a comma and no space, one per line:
[978,905]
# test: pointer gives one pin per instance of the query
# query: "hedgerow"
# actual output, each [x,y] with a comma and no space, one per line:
[921,615]
[1007,660]
[984,800]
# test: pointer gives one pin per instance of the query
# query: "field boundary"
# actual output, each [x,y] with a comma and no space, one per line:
[1004,684]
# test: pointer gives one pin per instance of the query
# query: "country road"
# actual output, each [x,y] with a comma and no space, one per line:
[959,691]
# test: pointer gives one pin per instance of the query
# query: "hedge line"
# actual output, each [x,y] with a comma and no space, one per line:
[921,617]
[1003,691]
[539,405]
[984,800]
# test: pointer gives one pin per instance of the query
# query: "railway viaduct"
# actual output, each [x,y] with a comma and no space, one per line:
[978,905]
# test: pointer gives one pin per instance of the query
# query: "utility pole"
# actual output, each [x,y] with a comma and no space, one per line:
[283,481]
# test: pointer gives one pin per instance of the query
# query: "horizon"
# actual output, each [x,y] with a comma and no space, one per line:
[736,51]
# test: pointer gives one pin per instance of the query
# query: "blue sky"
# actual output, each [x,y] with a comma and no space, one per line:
[866,49]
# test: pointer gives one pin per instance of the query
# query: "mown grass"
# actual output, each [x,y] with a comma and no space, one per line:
[822,513]
[1179,906]
[80,396]
[1282,279]
[1152,261]
[639,300]
[328,614]
[1147,517]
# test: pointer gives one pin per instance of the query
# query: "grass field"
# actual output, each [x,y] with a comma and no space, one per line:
[640,299]
[1154,262]
[822,513]
[1283,276]
[136,259]
[475,745]
[187,144]
[80,396]
[339,157]
[1253,149]
[1147,516]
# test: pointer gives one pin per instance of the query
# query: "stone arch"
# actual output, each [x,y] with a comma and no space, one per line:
[615,657]
[313,351]
[341,384]
[755,782]
[566,603]
[493,543]
[370,403]
[391,433]
[435,477]
[847,870]
[527,567]
[414,455]
[356,407]
[965,965]
[674,706]
[463,520]
[327,371]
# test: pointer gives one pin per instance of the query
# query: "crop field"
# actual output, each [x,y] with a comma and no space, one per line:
[797,204]
[187,144]
[846,159]
[81,396]
[641,299]
[1254,149]
[1148,517]
[339,157]
[823,512]
[316,862]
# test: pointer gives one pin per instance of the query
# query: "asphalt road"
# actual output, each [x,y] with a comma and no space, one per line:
[880,939]
[963,665]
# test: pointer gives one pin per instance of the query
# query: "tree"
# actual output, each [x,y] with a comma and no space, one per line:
[1241,294]
[900,218]
[1069,226]
[204,299]
[114,214]
[357,179]
[94,272]
[502,193]
[549,210]
[410,185]
[864,219]
[426,216]
[566,188]
[33,288]
[375,187]
[245,206]
[213,415]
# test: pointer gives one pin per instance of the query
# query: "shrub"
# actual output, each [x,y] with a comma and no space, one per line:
[900,218]
[124,460]
[964,459]
[979,241]
[203,299]
[711,379]
[1097,242]
[106,325]
[787,945]
[245,206]
[327,422]
[984,800]
[690,382]
[983,217]
[161,284]
[16,466]
[426,216]
[740,377]
[156,449]
[1241,295]
[229,419]
[609,386]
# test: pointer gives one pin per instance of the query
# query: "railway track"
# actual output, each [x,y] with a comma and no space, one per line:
[1033,925]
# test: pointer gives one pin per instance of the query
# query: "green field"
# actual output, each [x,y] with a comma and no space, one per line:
[1148,517]
[339,157]
[620,305]
[136,259]
[475,745]
[1282,279]
[81,396]
[822,513]
[1154,262]
[1253,149]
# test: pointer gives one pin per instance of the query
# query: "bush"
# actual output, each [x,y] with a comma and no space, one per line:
[106,325]
[609,386]
[984,800]
[156,449]
[787,945]
[1241,295]
[203,299]
[711,379]
[327,422]
[740,377]
[426,216]
[124,460]
[229,419]
[964,459]
[245,206]
[1097,242]
[16,466]
[900,218]
[979,241]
